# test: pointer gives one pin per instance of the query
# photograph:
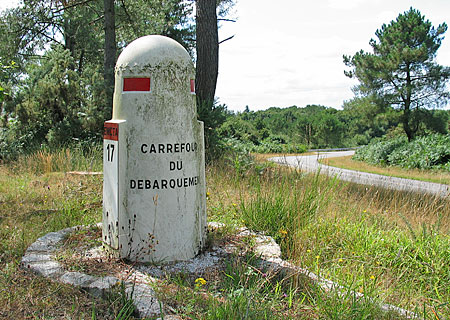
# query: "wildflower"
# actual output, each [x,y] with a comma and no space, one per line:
[341,260]
[308,251]
[207,195]
[317,257]
[234,204]
[200,282]
[372,277]
[283,233]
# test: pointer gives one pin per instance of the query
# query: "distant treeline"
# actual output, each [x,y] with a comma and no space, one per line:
[315,126]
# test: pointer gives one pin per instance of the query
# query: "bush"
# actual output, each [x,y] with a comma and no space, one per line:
[426,152]
[266,146]
[378,151]
[53,107]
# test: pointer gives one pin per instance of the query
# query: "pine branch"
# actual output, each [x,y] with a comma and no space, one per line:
[72,5]
[229,38]
[228,20]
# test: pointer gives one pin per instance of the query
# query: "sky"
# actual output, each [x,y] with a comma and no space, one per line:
[289,52]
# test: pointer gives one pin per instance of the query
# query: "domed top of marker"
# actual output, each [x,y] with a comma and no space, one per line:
[151,51]
[154,75]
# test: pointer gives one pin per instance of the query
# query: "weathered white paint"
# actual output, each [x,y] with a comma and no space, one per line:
[161,200]
[112,188]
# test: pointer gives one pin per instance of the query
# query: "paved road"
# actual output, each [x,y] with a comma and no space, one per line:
[310,163]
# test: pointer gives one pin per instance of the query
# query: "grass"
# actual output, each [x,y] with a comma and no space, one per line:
[391,246]
[241,291]
[35,200]
[415,174]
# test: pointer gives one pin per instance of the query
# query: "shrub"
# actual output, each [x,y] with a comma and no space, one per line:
[426,152]
[378,151]
[266,146]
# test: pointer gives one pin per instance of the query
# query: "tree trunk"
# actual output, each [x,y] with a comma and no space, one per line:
[69,41]
[407,108]
[406,123]
[109,55]
[207,46]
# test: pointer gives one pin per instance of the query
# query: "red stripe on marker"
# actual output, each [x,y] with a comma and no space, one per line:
[192,86]
[111,131]
[136,84]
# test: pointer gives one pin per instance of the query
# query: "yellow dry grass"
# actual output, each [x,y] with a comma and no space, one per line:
[415,174]
[261,157]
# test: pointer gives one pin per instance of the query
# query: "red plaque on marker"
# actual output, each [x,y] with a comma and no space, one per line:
[111,131]
[136,84]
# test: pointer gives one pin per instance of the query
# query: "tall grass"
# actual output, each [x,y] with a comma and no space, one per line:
[286,205]
[392,246]
[74,158]
[37,198]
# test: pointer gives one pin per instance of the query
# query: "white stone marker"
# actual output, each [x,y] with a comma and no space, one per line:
[154,199]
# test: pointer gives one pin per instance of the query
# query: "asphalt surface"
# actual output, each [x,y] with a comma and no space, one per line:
[311,163]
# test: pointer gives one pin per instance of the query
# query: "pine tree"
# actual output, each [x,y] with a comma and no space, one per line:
[402,71]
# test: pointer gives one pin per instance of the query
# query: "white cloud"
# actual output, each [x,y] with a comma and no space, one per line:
[290,52]
[344,4]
